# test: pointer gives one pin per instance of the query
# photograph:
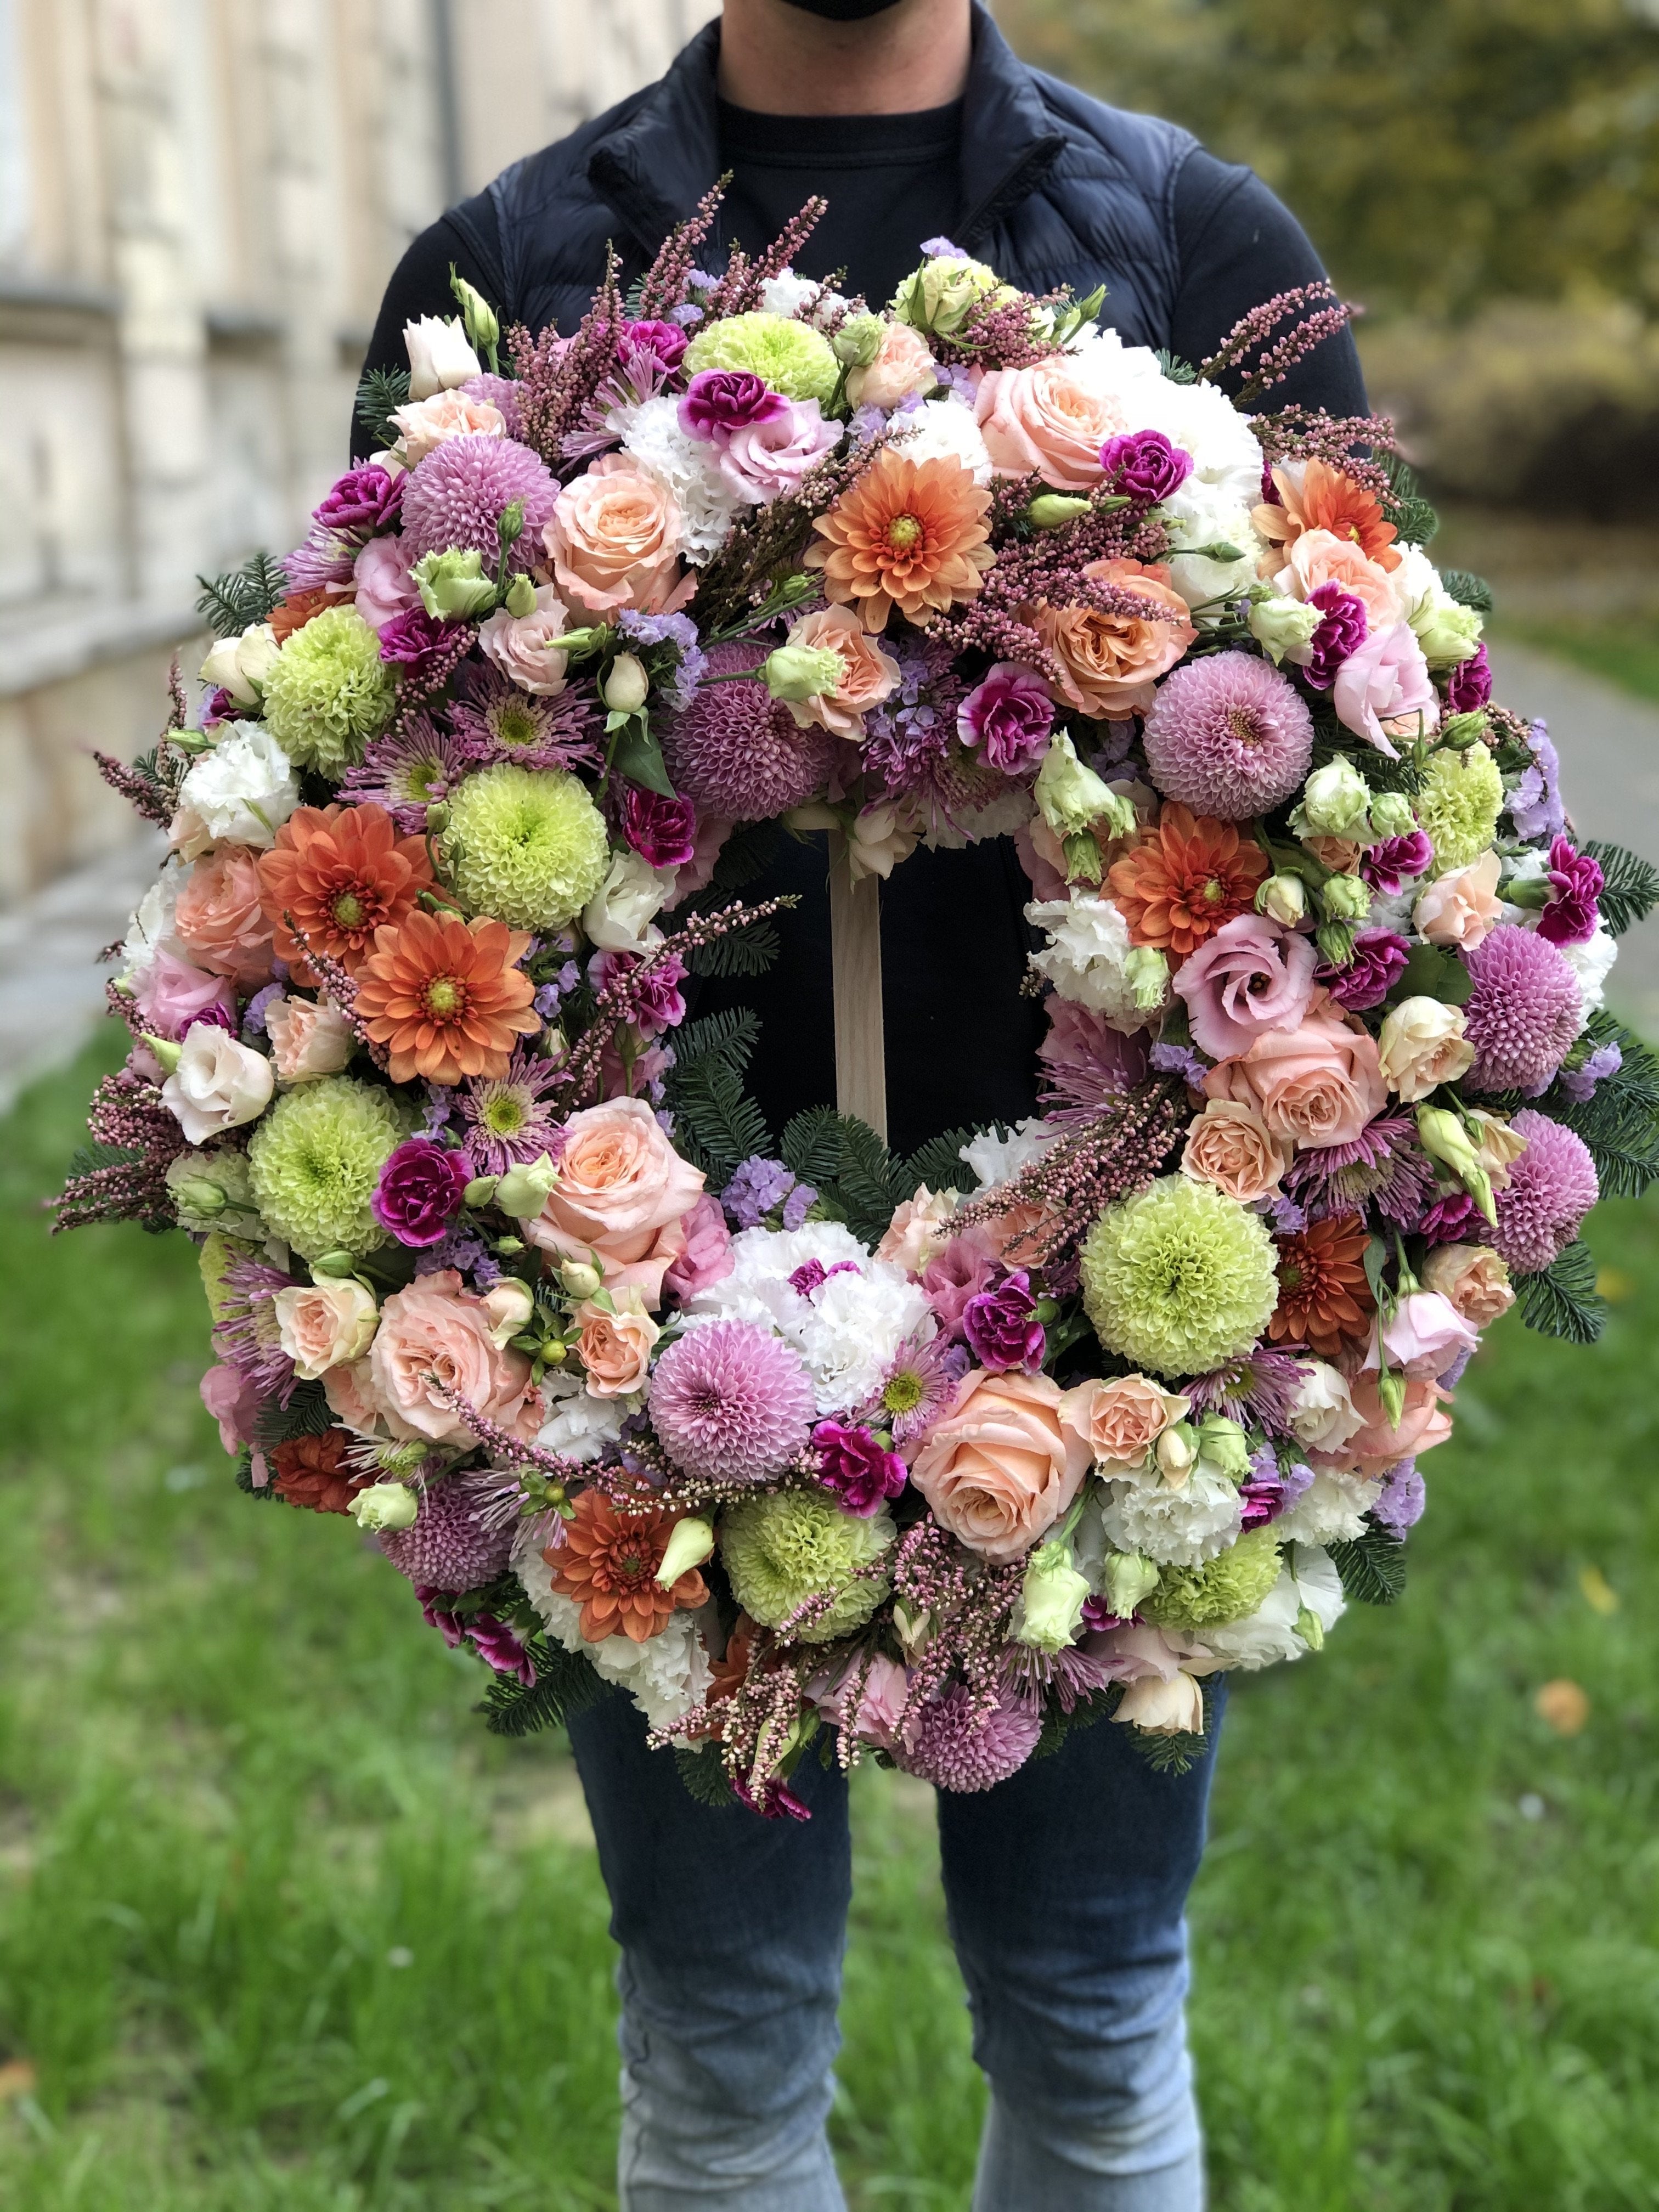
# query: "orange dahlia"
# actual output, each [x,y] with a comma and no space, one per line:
[311,1471]
[907,534]
[1327,499]
[608,1564]
[446,996]
[296,609]
[1185,879]
[1324,1299]
[339,873]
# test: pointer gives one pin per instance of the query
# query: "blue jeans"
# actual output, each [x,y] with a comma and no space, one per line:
[732,1928]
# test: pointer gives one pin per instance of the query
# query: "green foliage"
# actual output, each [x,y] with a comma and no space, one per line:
[1414,520]
[1619,1121]
[744,855]
[1469,591]
[939,1164]
[857,1179]
[380,393]
[1372,1566]
[716,1123]
[704,1776]
[1562,1300]
[1630,889]
[248,594]
[748,952]
[306,1414]
[564,1684]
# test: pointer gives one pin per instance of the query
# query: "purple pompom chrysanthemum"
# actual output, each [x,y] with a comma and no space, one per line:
[955,1749]
[445,1548]
[1229,736]
[737,752]
[1552,1187]
[731,1402]
[459,492]
[1524,1010]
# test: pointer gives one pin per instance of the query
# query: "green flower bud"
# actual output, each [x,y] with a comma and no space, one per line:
[1447,632]
[1051,1597]
[1345,898]
[578,641]
[385,1506]
[1176,1450]
[334,1266]
[482,327]
[858,341]
[1443,1137]
[437,818]
[581,1279]
[626,685]
[1335,803]
[1146,972]
[453,586]
[1071,797]
[1127,1578]
[1283,899]
[1284,628]
[1392,816]
[1335,942]
[199,1195]
[944,292]
[522,1191]
[690,1542]
[480,1191]
[510,524]
[1222,1446]
[802,672]
[1310,1628]
[1459,732]
[520,598]
[1083,863]
[1052,510]
[168,1051]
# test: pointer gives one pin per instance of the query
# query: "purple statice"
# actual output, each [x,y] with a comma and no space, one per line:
[1397,861]
[662,831]
[406,771]
[1259,1388]
[1263,1489]
[1179,1060]
[761,1188]
[917,1388]
[717,401]
[1454,1219]
[253,1015]
[1342,630]
[1001,1326]
[1579,1083]
[1469,688]
[1374,964]
[1399,1506]
[666,340]
[244,1334]
[1295,1479]
[420,1191]
[1007,717]
[439,1105]
[812,1274]
[1523,1014]
[462,1249]
[679,631]
[1552,1187]
[550,996]
[494,720]
[1384,1166]
[1288,1219]
[911,742]
[1144,466]
[1536,805]
[457,494]
[507,1119]
[941,249]
[853,1462]
[1228,736]
[1575,884]
[660,1005]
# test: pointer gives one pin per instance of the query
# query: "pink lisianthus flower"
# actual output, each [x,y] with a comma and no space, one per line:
[385,589]
[1383,690]
[1253,975]
[233,1403]
[1424,1334]
[707,1258]
[881,1700]
[766,459]
[175,994]
[960,1272]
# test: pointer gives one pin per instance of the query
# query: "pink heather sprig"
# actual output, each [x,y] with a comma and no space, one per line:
[1276,364]
[1303,434]
[1003,336]
[968,1604]
[501,1441]
[557,377]
[341,986]
[1310,305]
[663,288]
[127,1115]
[740,289]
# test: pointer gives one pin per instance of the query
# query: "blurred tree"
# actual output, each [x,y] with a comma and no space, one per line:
[1441,152]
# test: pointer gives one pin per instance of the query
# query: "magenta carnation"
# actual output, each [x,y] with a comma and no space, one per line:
[662,831]
[1552,1187]
[956,1748]
[420,1191]
[856,1464]
[1229,736]
[1007,717]
[737,752]
[1524,1010]
[459,492]
[1577,884]
[445,1548]
[732,1403]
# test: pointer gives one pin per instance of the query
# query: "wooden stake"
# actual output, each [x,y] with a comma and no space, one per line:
[855,961]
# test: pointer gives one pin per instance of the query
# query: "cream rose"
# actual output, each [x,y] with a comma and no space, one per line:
[509,1306]
[1046,420]
[623,1194]
[614,537]
[919,1229]
[440,356]
[520,645]
[1472,1278]
[309,1037]
[438,1332]
[868,675]
[1231,1145]
[1123,1418]
[615,1345]
[324,1325]
[903,365]
[1174,1706]
[218,1085]
[426,424]
[1421,1044]
[1460,908]
[1005,1462]
[1319,1084]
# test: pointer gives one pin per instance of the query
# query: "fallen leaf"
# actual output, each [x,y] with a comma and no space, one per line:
[1562,1705]
[1599,1593]
[17,2079]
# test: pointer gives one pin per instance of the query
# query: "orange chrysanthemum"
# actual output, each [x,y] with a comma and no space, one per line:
[907,534]
[1324,1299]
[1327,499]
[608,1564]
[446,996]
[311,1471]
[1189,876]
[339,873]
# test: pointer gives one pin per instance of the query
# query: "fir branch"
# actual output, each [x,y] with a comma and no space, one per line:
[1372,1566]
[1562,1299]
[564,1684]
[746,952]
[746,854]
[729,1036]
[1468,590]
[1630,889]
[248,594]
[812,1145]
[702,1771]
[1414,521]
[939,1164]
[306,1413]
[715,1120]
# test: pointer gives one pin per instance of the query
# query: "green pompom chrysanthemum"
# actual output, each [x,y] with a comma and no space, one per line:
[782,1550]
[529,846]
[316,1158]
[792,358]
[1226,1587]
[1179,1278]
[1458,806]
[328,691]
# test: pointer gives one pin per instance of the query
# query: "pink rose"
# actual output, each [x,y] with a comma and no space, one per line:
[520,645]
[903,365]
[1383,689]
[961,1272]
[614,536]
[385,587]
[763,461]
[1125,1417]
[1373,1449]
[1231,1147]
[437,1329]
[1318,1084]
[1425,1334]
[1045,421]
[1253,975]
[1005,1462]
[1319,557]
[615,1347]
[233,1403]
[868,675]
[174,994]
[309,1037]
[623,1194]
[352,1399]
[426,424]
[1461,910]
[707,1257]
[221,917]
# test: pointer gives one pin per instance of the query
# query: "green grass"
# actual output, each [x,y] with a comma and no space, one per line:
[282,1930]
[1627,653]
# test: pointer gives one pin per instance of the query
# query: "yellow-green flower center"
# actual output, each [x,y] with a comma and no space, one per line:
[349,910]
[902,1393]
[904,533]
[515,727]
[445,997]
[504,1116]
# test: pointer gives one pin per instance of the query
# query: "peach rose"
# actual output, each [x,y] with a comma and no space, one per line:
[426,424]
[1340,855]
[1373,1449]
[614,537]
[1421,1044]
[437,1329]
[351,1398]
[521,645]
[868,674]
[615,1346]
[1319,557]
[1318,1084]
[221,918]
[1109,664]
[1045,421]
[903,365]
[1125,1417]
[1231,1145]
[309,1037]
[1461,908]
[623,1194]
[1005,1462]
[324,1325]
[919,1229]
[1472,1278]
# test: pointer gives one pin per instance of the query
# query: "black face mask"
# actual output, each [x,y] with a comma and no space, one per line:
[843,11]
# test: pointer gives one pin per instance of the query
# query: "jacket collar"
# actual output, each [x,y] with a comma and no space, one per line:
[659,161]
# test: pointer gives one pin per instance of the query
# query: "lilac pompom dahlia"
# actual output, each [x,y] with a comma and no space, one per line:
[1552,1187]
[1229,737]
[732,1403]
[737,752]
[445,1548]
[459,492]
[956,1749]
[1524,1010]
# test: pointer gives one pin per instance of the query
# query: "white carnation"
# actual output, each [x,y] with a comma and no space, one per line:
[1202,514]
[786,293]
[1203,422]
[652,433]
[665,1675]
[1084,959]
[151,929]
[578,1425]
[1332,1509]
[1591,963]
[240,792]
[1173,1528]
[996,1158]
[1268,1636]
[945,429]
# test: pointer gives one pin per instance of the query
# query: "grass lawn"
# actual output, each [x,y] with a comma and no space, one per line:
[282,1930]
[1626,653]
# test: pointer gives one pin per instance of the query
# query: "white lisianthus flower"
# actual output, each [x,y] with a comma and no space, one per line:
[239,665]
[218,1085]
[620,915]
[665,1675]
[1308,1583]
[1322,1415]
[238,792]
[1087,955]
[945,429]
[1332,1509]
[440,357]
[1200,513]
[578,1425]
[1592,963]
[1284,628]
[1175,1528]
[151,930]
[688,466]
[996,1158]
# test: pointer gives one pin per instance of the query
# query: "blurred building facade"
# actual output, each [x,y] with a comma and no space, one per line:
[200,202]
